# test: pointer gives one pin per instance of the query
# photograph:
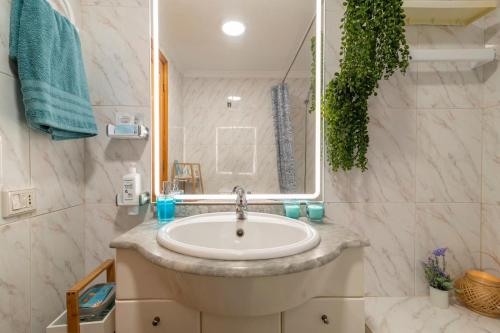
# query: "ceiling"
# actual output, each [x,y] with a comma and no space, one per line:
[191,36]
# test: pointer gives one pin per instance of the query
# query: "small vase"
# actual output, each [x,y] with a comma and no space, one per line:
[439,298]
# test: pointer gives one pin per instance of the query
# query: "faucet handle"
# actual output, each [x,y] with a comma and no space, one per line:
[238,189]
[241,202]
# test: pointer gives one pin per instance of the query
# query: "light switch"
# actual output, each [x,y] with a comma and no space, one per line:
[18,201]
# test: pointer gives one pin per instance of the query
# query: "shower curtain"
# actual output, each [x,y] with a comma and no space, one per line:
[284,139]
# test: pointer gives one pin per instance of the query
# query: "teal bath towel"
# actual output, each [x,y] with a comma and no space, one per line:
[46,47]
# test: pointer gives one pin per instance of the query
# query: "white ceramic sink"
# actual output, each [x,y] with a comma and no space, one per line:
[214,236]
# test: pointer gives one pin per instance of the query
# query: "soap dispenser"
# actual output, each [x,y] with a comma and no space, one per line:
[131,190]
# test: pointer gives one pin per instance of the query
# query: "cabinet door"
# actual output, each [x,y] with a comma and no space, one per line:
[155,316]
[221,324]
[326,315]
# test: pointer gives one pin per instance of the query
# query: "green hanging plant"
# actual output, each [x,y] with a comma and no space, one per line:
[373,47]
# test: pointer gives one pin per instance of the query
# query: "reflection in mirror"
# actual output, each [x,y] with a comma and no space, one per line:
[237,97]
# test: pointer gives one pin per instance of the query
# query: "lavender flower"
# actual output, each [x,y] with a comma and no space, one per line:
[440,252]
[435,272]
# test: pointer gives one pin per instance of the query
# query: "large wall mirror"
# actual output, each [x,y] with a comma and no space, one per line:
[237,97]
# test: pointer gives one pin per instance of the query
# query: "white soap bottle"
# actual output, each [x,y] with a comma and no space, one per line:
[131,190]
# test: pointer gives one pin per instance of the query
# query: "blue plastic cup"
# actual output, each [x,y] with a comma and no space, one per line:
[315,211]
[165,207]
[292,209]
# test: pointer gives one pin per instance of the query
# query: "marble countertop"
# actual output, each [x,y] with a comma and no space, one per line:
[334,239]
[416,314]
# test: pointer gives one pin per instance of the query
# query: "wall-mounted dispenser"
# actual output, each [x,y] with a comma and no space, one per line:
[131,194]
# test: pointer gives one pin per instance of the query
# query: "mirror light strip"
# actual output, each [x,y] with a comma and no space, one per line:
[250,197]
[156,97]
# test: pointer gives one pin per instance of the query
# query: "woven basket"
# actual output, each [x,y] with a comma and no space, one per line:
[480,292]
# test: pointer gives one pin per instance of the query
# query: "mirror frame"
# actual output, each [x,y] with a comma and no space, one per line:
[156,165]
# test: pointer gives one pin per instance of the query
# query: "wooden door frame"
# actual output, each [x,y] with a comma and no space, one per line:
[163,83]
[163,117]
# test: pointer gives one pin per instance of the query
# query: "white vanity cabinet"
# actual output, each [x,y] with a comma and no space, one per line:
[221,324]
[326,315]
[152,316]
[319,315]
[327,299]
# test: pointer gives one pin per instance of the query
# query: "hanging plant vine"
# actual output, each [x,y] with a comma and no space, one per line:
[373,47]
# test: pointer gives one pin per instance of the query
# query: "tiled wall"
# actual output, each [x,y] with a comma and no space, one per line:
[176,128]
[115,41]
[432,178]
[490,212]
[237,145]
[433,163]
[41,254]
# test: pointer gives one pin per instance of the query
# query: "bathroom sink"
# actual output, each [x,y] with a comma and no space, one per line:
[222,236]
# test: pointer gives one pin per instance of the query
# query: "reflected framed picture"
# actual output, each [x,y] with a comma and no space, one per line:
[196,170]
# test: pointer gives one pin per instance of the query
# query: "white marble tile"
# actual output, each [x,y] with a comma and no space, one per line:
[455,226]
[75,7]
[490,239]
[176,142]
[104,222]
[400,90]
[212,93]
[14,136]
[491,73]
[175,100]
[337,185]
[389,261]
[391,158]
[232,136]
[246,158]
[57,262]
[450,85]
[224,161]
[203,135]
[116,46]
[57,172]
[491,156]
[333,14]
[448,156]
[106,160]
[416,314]
[4,36]
[266,180]
[116,3]
[491,85]
[14,278]
[245,126]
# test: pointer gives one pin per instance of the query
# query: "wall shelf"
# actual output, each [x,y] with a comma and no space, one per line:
[142,132]
[446,12]
[476,57]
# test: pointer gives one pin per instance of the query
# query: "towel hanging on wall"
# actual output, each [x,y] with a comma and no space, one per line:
[46,47]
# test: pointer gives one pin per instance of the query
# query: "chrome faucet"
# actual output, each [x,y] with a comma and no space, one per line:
[241,202]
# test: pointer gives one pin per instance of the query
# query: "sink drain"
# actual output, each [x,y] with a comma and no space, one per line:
[240,232]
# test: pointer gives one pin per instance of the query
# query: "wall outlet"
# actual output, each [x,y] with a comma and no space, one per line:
[19,201]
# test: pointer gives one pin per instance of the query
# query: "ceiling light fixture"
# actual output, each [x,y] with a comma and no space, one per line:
[233,28]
